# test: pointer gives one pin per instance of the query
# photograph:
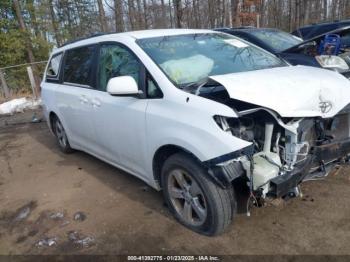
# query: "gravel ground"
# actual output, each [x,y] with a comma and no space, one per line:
[53,203]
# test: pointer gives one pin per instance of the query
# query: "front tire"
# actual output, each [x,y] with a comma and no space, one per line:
[196,201]
[61,136]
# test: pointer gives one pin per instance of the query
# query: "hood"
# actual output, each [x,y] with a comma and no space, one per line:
[339,31]
[291,91]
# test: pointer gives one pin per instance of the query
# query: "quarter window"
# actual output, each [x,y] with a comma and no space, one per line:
[115,60]
[78,64]
[54,66]
[152,89]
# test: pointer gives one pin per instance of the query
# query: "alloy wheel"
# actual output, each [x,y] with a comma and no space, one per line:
[187,197]
[61,134]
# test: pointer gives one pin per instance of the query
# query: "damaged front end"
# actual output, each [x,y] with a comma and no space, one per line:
[284,152]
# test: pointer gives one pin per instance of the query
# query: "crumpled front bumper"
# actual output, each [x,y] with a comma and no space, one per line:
[320,162]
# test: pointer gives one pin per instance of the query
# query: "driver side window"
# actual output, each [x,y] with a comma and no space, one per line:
[115,60]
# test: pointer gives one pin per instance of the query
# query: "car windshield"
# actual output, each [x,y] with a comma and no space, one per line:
[190,58]
[277,40]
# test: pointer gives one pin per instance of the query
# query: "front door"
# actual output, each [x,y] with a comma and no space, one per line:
[119,120]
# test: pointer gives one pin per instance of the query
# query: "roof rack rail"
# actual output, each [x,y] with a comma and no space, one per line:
[83,38]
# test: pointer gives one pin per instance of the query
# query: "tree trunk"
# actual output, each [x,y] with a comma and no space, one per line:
[29,46]
[102,16]
[234,13]
[145,11]
[67,19]
[262,13]
[54,24]
[131,14]
[302,12]
[211,14]
[171,15]
[139,15]
[33,20]
[178,13]
[118,12]
[291,26]
[325,7]
[164,20]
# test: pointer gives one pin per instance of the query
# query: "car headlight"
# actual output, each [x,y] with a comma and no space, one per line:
[238,127]
[332,62]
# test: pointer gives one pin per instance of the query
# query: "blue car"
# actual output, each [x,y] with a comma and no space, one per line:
[275,41]
[310,31]
[330,50]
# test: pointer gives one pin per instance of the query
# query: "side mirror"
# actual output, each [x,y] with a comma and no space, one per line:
[122,86]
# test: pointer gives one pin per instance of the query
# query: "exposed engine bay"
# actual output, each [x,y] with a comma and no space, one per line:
[282,147]
[285,150]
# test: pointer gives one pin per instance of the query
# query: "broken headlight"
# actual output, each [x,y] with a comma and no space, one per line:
[221,121]
[239,127]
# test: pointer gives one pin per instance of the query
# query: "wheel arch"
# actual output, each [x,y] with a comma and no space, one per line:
[52,117]
[162,154]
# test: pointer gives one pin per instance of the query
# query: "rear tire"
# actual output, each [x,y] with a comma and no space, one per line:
[196,201]
[61,136]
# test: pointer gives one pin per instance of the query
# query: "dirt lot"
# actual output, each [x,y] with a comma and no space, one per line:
[124,216]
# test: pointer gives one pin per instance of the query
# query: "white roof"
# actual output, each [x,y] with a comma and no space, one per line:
[163,32]
[134,35]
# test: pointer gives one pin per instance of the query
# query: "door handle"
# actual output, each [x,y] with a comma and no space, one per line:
[95,102]
[83,100]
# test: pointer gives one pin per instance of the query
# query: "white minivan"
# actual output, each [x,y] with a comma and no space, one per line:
[204,116]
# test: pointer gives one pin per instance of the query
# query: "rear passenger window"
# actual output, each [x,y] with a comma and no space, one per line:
[78,64]
[54,67]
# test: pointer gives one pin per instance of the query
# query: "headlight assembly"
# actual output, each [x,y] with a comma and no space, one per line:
[332,62]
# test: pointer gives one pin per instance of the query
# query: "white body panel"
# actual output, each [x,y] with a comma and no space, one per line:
[293,91]
[127,131]
[120,131]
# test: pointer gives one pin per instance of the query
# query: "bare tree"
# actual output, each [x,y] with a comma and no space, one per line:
[234,13]
[102,16]
[178,13]
[163,13]
[29,46]
[131,14]
[54,23]
[325,7]
[140,21]
[118,13]
[145,12]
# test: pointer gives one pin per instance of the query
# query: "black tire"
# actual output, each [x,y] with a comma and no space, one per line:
[61,136]
[220,204]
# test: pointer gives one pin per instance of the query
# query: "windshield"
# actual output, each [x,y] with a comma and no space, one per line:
[187,59]
[277,40]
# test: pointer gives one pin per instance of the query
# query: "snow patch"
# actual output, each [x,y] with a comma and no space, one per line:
[18,105]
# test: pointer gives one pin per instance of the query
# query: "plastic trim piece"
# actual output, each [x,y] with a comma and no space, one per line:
[247,151]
